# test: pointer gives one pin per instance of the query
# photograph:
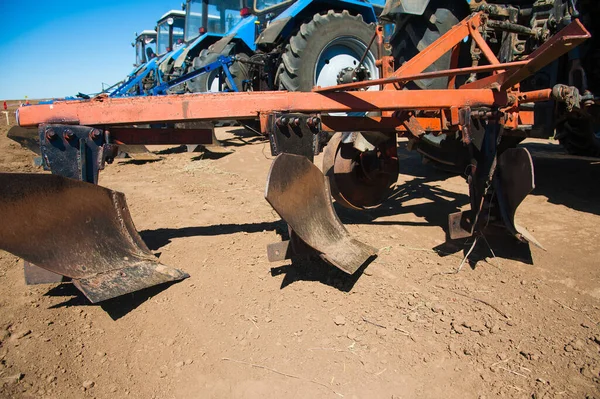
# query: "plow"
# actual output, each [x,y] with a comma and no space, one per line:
[483,104]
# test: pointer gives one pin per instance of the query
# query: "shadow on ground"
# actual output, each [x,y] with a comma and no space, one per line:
[315,269]
[115,307]
[437,202]
[565,179]
[158,238]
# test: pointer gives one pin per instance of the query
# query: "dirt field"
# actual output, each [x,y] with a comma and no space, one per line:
[522,324]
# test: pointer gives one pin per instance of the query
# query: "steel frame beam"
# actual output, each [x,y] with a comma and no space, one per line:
[496,91]
[248,105]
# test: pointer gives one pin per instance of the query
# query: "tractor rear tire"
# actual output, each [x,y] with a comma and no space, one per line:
[300,60]
[240,71]
[580,135]
[446,152]
[203,83]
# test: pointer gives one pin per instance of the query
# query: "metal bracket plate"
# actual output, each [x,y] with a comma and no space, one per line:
[76,152]
[297,134]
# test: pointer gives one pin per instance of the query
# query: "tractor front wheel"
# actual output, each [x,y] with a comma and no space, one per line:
[325,50]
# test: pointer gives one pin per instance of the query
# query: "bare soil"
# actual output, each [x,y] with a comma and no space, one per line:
[521,324]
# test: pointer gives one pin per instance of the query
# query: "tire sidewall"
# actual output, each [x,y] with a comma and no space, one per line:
[322,37]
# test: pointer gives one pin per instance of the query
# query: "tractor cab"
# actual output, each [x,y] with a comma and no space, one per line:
[145,47]
[170,28]
[206,21]
[261,6]
[214,16]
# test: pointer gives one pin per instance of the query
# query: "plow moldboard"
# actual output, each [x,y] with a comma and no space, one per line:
[78,230]
[297,191]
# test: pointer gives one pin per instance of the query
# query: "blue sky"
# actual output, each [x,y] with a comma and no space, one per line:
[58,48]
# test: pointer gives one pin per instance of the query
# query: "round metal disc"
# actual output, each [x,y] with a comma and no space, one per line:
[360,180]
[329,156]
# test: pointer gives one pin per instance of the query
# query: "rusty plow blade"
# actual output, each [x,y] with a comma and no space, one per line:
[78,230]
[514,183]
[296,189]
[27,138]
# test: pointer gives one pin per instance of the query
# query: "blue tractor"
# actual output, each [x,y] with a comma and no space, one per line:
[169,30]
[145,47]
[298,44]
[182,35]
[207,21]
[263,45]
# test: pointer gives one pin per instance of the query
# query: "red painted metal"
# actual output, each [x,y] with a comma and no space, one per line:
[246,105]
[419,76]
[558,45]
[441,46]
[376,124]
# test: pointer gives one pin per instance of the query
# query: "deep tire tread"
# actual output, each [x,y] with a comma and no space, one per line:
[290,67]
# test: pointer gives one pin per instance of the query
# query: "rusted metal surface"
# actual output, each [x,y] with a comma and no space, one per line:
[78,230]
[37,275]
[329,155]
[482,45]
[244,105]
[515,181]
[376,123]
[441,46]
[296,190]
[420,76]
[535,96]
[26,137]
[360,179]
[559,44]
[413,126]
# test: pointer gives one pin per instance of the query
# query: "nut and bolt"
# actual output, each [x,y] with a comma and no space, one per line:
[95,134]
[68,135]
[50,134]
[281,121]
[312,122]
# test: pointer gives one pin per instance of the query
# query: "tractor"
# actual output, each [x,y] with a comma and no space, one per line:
[207,21]
[483,80]
[418,23]
[145,47]
[299,44]
[169,35]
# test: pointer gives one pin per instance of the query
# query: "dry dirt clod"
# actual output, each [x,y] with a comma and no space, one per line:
[339,320]
[12,379]
[578,344]
[88,384]
[412,317]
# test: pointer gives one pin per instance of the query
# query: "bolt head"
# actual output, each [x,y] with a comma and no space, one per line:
[95,134]
[50,134]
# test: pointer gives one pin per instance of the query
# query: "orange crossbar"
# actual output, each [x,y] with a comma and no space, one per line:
[246,105]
